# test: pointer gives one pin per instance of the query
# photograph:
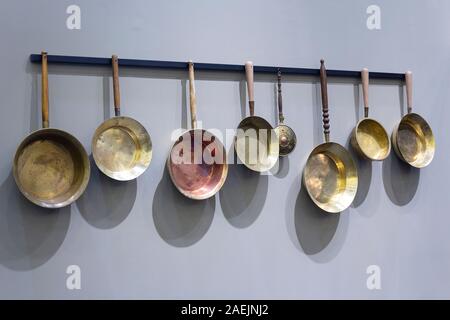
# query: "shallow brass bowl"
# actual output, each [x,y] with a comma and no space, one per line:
[122,148]
[371,140]
[258,152]
[413,141]
[51,168]
[330,177]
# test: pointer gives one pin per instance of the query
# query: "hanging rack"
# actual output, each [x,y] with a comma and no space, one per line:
[176,65]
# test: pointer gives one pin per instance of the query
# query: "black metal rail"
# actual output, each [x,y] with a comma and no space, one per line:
[175,65]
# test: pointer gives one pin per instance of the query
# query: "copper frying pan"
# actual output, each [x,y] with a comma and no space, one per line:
[121,146]
[412,138]
[256,141]
[51,167]
[197,161]
[330,175]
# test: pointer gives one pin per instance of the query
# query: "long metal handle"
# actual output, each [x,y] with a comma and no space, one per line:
[45,122]
[325,113]
[250,87]
[115,67]
[192,97]
[408,81]
[365,87]
[280,100]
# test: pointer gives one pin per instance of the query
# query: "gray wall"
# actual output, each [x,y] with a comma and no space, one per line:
[261,237]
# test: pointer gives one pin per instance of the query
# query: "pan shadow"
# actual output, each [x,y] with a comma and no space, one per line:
[106,202]
[400,180]
[29,235]
[34,107]
[243,194]
[281,168]
[180,221]
[364,167]
[317,231]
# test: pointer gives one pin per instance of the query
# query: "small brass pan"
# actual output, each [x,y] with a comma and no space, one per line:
[412,138]
[197,160]
[330,175]
[369,138]
[256,142]
[121,146]
[51,167]
[286,136]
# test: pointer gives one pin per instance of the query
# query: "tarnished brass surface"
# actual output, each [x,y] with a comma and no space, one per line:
[287,139]
[122,148]
[330,177]
[413,141]
[371,140]
[201,180]
[257,150]
[51,168]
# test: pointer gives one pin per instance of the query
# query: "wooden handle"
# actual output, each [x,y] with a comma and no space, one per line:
[365,87]
[408,81]
[44,84]
[250,86]
[192,98]
[280,100]
[325,113]
[115,67]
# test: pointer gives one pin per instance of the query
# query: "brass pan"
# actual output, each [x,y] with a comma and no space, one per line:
[287,139]
[256,142]
[330,175]
[197,161]
[121,146]
[412,138]
[51,167]
[369,138]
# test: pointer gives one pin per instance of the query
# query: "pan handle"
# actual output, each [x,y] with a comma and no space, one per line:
[408,81]
[250,87]
[280,100]
[115,67]
[45,122]
[192,97]
[365,87]
[325,113]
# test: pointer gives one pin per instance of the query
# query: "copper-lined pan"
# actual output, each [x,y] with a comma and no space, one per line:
[51,167]
[197,161]
[286,136]
[256,142]
[369,138]
[412,138]
[330,175]
[121,146]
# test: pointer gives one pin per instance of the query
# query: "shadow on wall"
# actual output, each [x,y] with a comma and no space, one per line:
[400,180]
[364,167]
[106,202]
[180,221]
[317,231]
[29,235]
[281,168]
[243,194]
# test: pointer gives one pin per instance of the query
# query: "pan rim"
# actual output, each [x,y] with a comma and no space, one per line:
[274,155]
[86,165]
[359,144]
[140,166]
[422,123]
[353,191]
